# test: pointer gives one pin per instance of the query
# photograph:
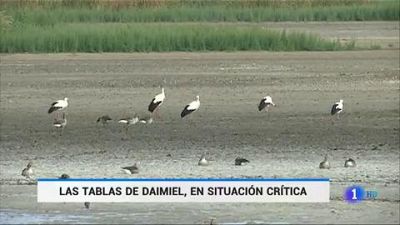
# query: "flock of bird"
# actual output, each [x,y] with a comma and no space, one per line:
[60,122]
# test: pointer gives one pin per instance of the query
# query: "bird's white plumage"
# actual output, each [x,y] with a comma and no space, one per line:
[203,161]
[268,99]
[129,121]
[337,108]
[61,103]
[160,97]
[339,105]
[148,120]
[194,105]
[127,171]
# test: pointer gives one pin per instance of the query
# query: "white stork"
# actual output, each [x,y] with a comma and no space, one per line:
[191,107]
[58,105]
[265,103]
[337,108]
[157,102]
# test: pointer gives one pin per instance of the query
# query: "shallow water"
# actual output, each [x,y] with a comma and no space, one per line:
[9,216]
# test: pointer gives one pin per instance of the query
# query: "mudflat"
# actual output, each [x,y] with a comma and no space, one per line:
[288,141]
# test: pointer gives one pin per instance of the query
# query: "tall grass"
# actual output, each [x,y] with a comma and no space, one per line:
[52,13]
[118,4]
[157,37]
[159,25]
[5,21]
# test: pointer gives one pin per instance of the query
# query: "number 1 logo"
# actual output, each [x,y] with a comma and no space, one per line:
[354,194]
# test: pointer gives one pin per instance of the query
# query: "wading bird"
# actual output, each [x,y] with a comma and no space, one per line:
[156,102]
[60,123]
[129,121]
[104,119]
[58,105]
[240,161]
[27,172]
[64,176]
[131,169]
[265,103]
[146,120]
[337,108]
[325,164]
[203,161]
[349,163]
[191,107]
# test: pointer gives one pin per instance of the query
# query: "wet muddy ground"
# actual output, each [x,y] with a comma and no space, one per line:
[288,141]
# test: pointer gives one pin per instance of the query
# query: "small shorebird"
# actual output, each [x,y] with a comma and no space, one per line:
[337,108]
[131,169]
[203,161]
[60,123]
[64,176]
[265,103]
[240,161]
[191,107]
[129,121]
[104,119]
[156,102]
[350,163]
[27,172]
[325,164]
[58,105]
[146,120]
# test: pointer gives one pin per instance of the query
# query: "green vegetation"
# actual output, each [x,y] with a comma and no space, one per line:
[54,12]
[5,21]
[161,25]
[141,37]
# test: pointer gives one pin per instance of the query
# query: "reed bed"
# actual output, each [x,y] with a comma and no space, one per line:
[174,25]
[118,4]
[143,37]
[221,11]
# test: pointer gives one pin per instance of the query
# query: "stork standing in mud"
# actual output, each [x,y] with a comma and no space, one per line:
[156,102]
[337,108]
[265,103]
[191,107]
[58,105]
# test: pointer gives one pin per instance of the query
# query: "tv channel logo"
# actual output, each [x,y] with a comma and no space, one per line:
[356,194]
